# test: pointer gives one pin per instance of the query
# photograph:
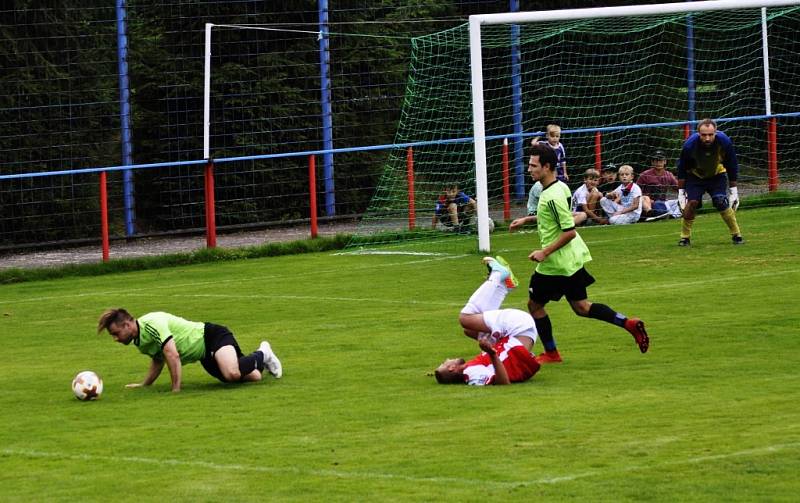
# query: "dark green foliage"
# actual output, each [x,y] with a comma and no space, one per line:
[59,105]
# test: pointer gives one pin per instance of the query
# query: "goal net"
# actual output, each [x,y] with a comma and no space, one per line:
[619,87]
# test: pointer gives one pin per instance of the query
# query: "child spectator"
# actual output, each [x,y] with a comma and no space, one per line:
[533,203]
[454,209]
[554,140]
[585,199]
[623,205]
[608,178]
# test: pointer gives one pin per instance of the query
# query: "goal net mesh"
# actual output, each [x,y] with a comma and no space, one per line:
[625,78]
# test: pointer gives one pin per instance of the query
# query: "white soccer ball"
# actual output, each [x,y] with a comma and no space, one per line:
[491,225]
[87,386]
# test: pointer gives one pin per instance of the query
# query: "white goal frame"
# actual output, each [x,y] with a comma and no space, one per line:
[476,67]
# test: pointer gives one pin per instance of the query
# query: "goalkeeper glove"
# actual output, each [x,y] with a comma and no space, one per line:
[733,197]
[682,199]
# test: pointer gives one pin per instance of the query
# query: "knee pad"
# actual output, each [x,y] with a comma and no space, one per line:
[720,203]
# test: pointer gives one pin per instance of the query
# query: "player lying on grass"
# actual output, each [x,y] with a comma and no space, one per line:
[506,336]
[169,339]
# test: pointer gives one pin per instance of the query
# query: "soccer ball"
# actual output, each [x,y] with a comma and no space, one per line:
[491,226]
[87,386]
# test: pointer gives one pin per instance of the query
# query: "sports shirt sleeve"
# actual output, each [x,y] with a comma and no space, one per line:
[154,332]
[685,160]
[729,159]
[462,199]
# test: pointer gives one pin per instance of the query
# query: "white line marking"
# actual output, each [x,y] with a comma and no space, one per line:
[472,481]
[387,252]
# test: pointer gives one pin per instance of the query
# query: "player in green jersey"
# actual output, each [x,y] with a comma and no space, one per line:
[170,339]
[560,261]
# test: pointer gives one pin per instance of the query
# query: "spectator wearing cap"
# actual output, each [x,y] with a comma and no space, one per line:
[608,178]
[658,187]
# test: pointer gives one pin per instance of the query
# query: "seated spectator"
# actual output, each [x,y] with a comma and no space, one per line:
[623,205]
[454,209]
[608,178]
[585,199]
[658,187]
[533,204]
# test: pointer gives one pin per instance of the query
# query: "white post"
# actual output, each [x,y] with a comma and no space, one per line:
[479,130]
[207,95]
[765,47]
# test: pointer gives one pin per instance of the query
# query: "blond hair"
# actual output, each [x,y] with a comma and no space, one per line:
[553,127]
[627,168]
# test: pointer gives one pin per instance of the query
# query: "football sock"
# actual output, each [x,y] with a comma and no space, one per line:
[545,330]
[729,216]
[250,362]
[686,228]
[261,360]
[604,313]
[487,297]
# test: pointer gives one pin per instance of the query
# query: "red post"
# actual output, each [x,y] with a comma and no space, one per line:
[772,154]
[412,217]
[312,193]
[506,188]
[211,226]
[598,151]
[687,130]
[104,215]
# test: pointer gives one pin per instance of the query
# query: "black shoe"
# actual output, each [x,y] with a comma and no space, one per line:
[737,240]
[684,242]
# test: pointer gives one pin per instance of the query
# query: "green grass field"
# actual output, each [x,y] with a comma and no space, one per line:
[711,413]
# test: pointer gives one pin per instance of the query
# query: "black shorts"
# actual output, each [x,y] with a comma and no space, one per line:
[716,186]
[215,337]
[544,288]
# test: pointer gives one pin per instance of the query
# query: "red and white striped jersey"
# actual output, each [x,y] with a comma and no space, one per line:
[519,363]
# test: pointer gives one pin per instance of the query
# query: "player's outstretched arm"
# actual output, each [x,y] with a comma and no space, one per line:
[519,222]
[152,374]
[173,359]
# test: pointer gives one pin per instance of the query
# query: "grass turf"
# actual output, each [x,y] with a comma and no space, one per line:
[709,414]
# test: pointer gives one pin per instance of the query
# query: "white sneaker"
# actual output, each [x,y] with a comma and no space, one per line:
[270,360]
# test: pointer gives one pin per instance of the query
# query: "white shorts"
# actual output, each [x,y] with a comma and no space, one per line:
[511,322]
[611,207]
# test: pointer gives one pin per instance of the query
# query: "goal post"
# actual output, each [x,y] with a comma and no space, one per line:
[476,22]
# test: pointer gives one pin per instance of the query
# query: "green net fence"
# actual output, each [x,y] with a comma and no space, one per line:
[618,87]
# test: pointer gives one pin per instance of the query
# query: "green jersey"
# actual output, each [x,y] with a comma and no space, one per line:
[155,330]
[554,217]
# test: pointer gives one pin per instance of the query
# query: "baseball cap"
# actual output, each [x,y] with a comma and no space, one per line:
[658,154]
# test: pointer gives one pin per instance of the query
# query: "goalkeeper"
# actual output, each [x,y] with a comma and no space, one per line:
[708,164]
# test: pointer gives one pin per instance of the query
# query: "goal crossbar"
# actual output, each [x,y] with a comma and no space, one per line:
[625,11]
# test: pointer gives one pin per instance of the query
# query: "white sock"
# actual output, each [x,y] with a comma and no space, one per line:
[487,297]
